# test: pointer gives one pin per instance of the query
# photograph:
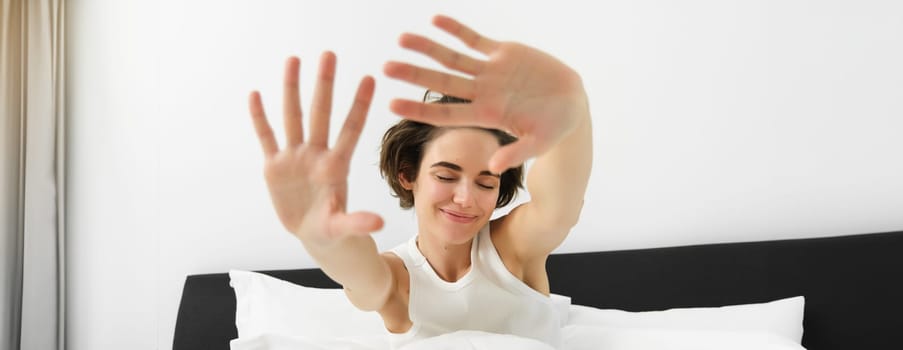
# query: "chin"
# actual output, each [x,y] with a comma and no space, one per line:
[460,234]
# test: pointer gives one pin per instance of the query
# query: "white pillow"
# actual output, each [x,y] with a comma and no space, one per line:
[267,304]
[782,317]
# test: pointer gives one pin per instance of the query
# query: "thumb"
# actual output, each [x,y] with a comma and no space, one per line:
[511,155]
[357,223]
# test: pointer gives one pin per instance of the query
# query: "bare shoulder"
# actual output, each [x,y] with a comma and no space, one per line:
[395,312]
[531,269]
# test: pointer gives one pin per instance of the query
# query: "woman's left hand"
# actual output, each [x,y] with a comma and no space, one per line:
[518,89]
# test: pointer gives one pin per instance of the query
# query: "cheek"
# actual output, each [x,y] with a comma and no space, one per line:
[433,191]
[488,199]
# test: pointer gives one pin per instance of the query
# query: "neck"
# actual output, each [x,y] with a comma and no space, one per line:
[450,261]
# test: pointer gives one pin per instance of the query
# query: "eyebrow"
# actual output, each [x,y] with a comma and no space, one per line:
[457,167]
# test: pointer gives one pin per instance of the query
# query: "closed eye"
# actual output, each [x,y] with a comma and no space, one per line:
[445,179]
[486,187]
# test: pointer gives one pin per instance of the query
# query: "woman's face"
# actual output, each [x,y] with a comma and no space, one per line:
[455,194]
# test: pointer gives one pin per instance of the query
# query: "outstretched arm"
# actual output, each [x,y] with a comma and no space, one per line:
[557,183]
[308,184]
[529,94]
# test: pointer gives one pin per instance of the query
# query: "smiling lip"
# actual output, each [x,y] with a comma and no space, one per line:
[458,217]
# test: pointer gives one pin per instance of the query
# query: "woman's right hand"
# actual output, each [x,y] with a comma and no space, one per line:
[307,181]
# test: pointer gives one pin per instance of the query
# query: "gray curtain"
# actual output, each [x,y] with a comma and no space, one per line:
[32,175]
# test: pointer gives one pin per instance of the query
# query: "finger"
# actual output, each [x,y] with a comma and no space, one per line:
[447,57]
[354,123]
[433,80]
[512,155]
[322,104]
[439,114]
[261,126]
[470,37]
[291,103]
[358,223]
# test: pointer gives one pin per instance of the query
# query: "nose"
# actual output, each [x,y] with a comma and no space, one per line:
[463,195]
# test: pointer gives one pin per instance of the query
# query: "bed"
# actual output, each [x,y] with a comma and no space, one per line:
[852,286]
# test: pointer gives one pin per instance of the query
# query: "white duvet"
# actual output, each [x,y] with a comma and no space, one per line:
[575,337]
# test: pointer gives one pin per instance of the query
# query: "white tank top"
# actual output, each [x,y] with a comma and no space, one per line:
[488,298]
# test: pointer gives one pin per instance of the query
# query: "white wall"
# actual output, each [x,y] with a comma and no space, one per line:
[714,121]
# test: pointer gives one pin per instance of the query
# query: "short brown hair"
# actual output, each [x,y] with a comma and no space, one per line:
[402,151]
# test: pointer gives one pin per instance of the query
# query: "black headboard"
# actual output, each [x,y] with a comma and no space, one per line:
[853,286]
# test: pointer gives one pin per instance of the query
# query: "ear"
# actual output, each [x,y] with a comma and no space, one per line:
[404,182]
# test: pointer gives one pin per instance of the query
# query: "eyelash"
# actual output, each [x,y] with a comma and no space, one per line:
[449,179]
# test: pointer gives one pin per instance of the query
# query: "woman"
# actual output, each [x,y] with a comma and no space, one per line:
[462,270]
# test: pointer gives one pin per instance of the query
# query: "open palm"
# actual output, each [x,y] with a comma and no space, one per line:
[519,89]
[307,181]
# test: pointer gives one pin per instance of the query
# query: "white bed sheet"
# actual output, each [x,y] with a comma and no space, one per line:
[575,337]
